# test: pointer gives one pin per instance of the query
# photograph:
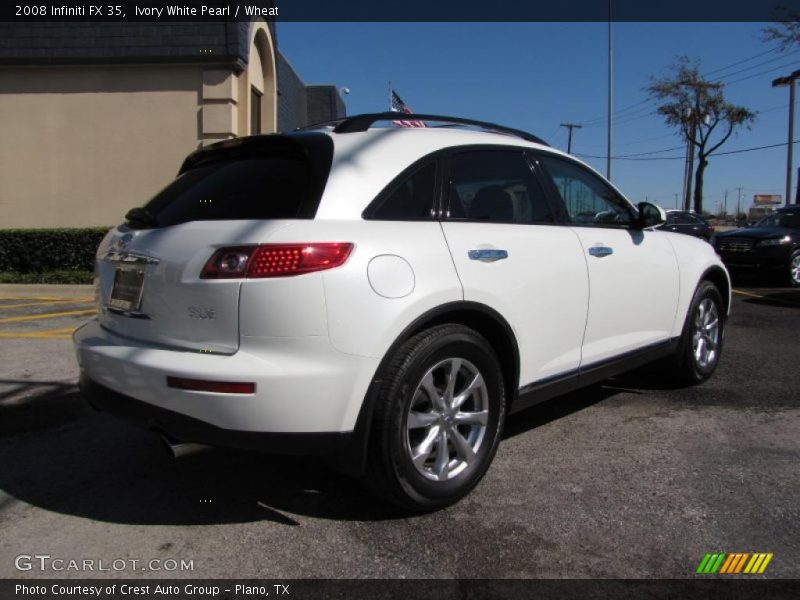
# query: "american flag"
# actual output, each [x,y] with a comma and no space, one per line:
[399,106]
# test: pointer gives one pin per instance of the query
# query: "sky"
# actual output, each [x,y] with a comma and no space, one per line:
[534,76]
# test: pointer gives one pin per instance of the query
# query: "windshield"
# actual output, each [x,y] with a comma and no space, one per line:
[781,219]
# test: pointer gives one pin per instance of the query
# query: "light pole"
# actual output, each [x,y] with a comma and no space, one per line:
[610,93]
[790,81]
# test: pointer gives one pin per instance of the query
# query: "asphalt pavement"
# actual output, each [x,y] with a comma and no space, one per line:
[624,479]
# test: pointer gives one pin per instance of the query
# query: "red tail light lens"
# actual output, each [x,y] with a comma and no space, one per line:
[275,260]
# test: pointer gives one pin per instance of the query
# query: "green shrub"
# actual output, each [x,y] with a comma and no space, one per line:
[59,277]
[55,252]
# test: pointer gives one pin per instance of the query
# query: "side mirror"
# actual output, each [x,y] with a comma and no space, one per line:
[650,215]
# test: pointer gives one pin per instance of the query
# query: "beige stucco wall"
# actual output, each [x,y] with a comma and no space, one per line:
[79,146]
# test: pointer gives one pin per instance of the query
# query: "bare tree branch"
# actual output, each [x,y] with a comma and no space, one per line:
[696,107]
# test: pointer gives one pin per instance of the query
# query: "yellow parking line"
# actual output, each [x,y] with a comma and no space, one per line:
[61,333]
[68,313]
[47,303]
[49,298]
[746,294]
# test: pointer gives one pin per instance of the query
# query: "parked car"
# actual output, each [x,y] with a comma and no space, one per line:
[689,223]
[771,244]
[386,296]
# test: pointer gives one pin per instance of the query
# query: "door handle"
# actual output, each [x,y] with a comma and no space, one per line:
[601,251]
[487,254]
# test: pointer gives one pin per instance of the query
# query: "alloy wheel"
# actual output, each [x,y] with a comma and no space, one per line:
[794,269]
[705,335]
[447,419]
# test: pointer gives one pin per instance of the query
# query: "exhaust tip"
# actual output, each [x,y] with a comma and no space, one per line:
[177,449]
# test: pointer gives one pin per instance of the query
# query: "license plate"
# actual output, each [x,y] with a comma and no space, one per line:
[127,291]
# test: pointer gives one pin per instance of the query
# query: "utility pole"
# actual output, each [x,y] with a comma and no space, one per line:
[570,126]
[676,200]
[790,81]
[725,206]
[739,203]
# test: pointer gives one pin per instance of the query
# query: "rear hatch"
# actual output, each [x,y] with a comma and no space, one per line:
[235,193]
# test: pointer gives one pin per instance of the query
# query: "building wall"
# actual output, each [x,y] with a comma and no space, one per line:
[292,107]
[80,146]
[324,103]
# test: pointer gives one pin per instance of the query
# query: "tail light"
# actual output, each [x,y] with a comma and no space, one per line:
[274,260]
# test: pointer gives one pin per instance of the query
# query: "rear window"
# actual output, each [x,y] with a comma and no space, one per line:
[269,177]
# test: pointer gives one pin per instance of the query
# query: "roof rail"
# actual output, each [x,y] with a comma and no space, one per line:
[363,123]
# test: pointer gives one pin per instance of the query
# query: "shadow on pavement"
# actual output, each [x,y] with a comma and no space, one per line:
[785,299]
[59,454]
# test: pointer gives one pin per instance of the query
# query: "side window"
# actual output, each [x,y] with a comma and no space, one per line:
[587,198]
[495,186]
[411,199]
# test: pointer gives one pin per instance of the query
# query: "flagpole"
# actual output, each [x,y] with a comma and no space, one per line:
[390,94]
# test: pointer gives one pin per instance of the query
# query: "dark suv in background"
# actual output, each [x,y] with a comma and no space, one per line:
[772,243]
[681,221]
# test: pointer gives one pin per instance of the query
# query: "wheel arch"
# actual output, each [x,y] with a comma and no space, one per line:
[719,278]
[483,319]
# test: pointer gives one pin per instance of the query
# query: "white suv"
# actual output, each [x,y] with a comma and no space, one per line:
[386,296]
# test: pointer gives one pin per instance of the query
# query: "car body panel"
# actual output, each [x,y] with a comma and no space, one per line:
[540,258]
[630,306]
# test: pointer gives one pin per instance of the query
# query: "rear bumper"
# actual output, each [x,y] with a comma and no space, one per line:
[188,429]
[302,385]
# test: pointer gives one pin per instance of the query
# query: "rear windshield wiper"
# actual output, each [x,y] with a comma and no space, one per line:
[141,216]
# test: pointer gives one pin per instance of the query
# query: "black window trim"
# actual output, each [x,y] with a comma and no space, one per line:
[552,191]
[368,214]
[444,209]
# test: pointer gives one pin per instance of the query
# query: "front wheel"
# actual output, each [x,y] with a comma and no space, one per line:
[438,419]
[794,269]
[701,341]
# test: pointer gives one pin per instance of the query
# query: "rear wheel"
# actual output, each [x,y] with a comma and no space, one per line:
[794,269]
[438,419]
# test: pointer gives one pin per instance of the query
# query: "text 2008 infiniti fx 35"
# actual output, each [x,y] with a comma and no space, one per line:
[387,295]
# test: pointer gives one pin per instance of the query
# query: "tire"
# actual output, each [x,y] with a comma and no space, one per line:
[794,269]
[453,444]
[704,326]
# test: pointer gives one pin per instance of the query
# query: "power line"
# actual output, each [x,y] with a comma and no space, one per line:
[778,68]
[755,66]
[642,157]
[739,62]
[624,109]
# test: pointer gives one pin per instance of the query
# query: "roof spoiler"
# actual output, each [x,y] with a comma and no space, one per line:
[364,122]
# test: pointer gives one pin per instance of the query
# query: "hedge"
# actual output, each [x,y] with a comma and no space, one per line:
[57,277]
[55,253]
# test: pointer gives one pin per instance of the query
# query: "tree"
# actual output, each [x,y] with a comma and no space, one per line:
[785,31]
[697,107]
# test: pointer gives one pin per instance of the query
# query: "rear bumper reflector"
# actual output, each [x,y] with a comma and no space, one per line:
[221,387]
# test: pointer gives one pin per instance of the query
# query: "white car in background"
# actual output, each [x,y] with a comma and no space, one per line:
[386,296]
